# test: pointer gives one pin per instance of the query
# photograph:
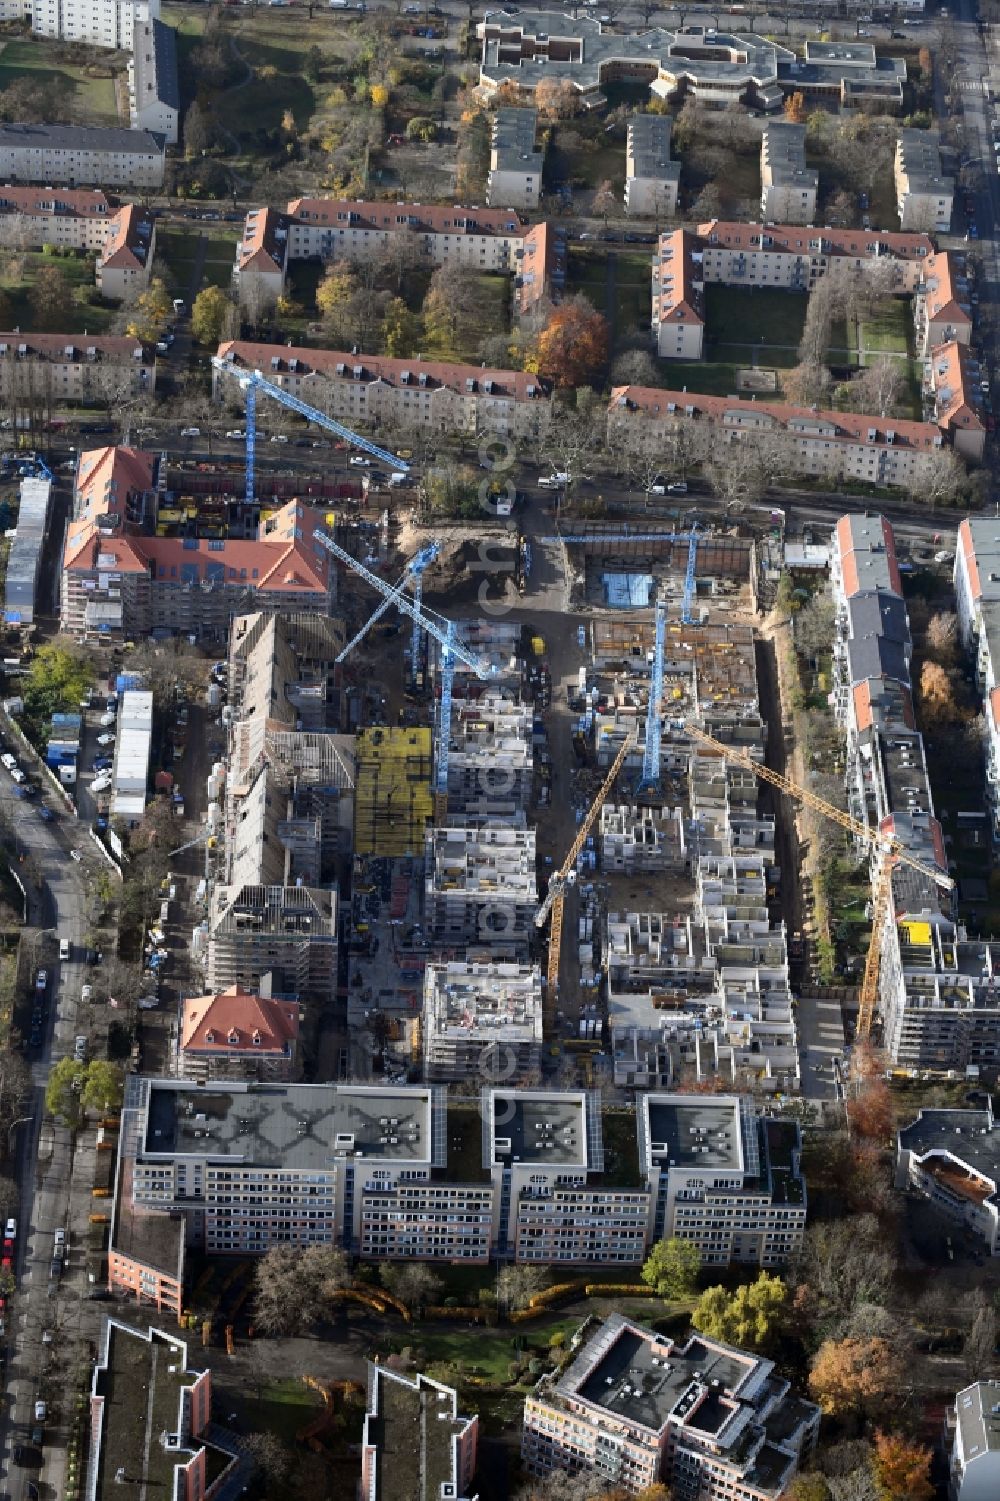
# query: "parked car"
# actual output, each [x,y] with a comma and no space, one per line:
[190,432]
[41,1411]
[106,739]
[46,815]
[358,462]
[236,433]
[278,438]
[41,981]
[76,855]
[86,993]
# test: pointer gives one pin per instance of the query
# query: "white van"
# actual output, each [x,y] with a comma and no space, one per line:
[64,949]
[396,479]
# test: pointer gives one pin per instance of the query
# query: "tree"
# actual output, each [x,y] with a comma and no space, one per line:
[413,1283]
[51,298]
[902,1468]
[605,200]
[635,367]
[517,1285]
[59,675]
[941,641]
[556,99]
[63,1089]
[31,100]
[938,705]
[741,469]
[869,1113]
[312,64]
[749,1317]
[400,329]
[102,1090]
[877,388]
[795,108]
[150,314]
[813,625]
[938,478]
[421,128]
[270,1455]
[208,315]
[455,306]
[293,1287]
[672,1268]
[853,1375]
[573,345]
[807,385]
[336,289]
[844,1268]
[809,1487]
[199,133]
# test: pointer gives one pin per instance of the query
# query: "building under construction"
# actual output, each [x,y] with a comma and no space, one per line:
[393,803]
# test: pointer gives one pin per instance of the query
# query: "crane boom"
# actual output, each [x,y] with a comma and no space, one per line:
[556,895]
[888,848]
[414,570]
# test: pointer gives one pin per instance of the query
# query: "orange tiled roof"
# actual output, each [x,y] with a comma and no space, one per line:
[794,239]
[238,1020]
[282,359]
[423,218]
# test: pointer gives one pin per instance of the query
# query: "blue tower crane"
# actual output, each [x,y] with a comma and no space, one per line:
[654,715]
[690,582]
[414,569]
[251,382]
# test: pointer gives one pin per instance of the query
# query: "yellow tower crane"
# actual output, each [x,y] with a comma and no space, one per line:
[565,876]
[888,848]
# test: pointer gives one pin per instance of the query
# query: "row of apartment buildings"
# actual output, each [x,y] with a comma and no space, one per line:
[938,990]
[79,156]
[401,1173]
[122,236]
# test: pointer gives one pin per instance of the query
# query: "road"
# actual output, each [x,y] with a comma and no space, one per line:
[54,1181]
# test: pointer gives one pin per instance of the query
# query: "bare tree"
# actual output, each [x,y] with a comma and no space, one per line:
[942,637]
[878,387]
[293,1287]
[938,478]
[517,1285]
[412,1282]
[741,469]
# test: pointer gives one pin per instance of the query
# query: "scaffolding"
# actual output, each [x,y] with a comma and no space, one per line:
[393,801]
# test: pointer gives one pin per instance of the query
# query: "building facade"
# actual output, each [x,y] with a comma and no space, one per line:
[924,195]
[788,187]
[515,175]
[99,23]
[236,1034]
[81,155]
[652,180]
[636,1409]
[974,1460]
[154,93]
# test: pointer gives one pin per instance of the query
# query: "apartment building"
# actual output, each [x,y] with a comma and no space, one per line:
[723,1177]
[540,269]
[99,23]
[635,839]
[262,258]
[480,887]
[652,180]
[79,218]
[442,234]
[977,595]
[942,309]
[678,317]
[415,1421]
[74,367]
[924,195]
[953,1158]
[481,1017]
[659,986]
[24,558]
[952,380]
[490,760]
[82,155]
[636,1408]
[515,174]
[119,578]
[974,1427]
[377,393]
[153,91]
[146,1248]
[125,259]
[238,1034]
[151,1417]
[833,445]
[788,187]
[794,257]
[263,933]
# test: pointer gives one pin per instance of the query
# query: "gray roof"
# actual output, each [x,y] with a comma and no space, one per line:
[548,1129]
[969,1135]
[977,1411]
[109,138]
[165,55]
[302,1126]
[878,637]
[696,1133]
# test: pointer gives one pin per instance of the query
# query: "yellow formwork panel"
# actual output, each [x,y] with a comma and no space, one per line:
[393,802]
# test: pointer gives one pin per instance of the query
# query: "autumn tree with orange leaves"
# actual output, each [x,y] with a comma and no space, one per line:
[853,1375]
[869,1107]
[902,1468]
[573,346]
[795,109]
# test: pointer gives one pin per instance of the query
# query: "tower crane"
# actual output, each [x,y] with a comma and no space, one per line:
[887,848]
[414,570]
[654,712]
[251,382]
[565,877]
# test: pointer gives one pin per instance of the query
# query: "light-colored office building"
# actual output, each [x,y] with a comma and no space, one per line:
[974,1461]
[78,155]
[636,1408]
[924,195]
[417,1418]
[515,175]
[788,187]
[652,180]
[99,23]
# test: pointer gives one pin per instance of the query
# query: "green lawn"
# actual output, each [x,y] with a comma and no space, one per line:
[84,316]
[92,99]
[587,272]
[891,330]
[177,251]
[762,315]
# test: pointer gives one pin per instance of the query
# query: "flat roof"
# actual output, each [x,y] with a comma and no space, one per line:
[412,1428]
[548,1129]
[299,1126]
[644,1379]
[695,1132]
[141,1384]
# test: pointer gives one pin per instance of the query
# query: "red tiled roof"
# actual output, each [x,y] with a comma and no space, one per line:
[129,239]
[938,287]
[83,203]
[848,562]
[263,247]
[537,264]
[955,388]
[424,218]
[995,706]
[850,427]
[54,346]
[237,1019]
[968,547]
[674,273]
[793,239]
[463,379]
